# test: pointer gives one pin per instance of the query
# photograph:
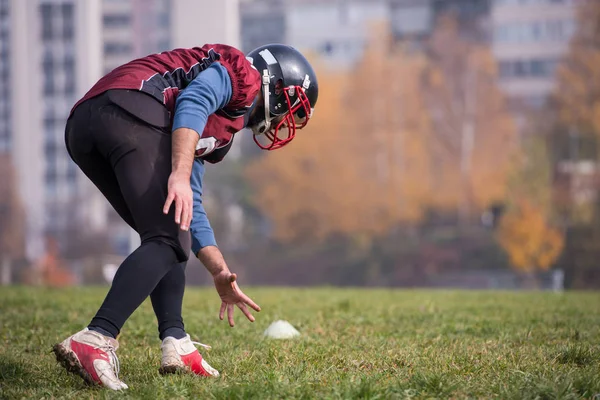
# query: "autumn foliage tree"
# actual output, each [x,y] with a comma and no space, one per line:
[577,105]
[576,142]
[526,232]
[531,242]
[578,91]
[474,135]
[349,171]
[387,144]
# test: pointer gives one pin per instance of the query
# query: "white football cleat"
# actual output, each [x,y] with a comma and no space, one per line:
[92,356]
[182,355]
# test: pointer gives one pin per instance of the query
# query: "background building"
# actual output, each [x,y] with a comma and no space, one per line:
[529,39]
[59,56]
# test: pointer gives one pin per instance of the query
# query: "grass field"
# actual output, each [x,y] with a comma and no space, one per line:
[371,344]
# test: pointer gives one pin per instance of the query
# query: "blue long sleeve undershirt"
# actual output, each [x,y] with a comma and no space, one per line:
[208,92]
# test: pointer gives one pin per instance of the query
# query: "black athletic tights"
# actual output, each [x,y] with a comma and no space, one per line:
[129,160]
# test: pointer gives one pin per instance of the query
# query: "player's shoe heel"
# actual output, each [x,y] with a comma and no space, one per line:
[180,355]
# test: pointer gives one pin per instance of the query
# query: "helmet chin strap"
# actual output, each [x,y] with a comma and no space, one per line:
[265,125]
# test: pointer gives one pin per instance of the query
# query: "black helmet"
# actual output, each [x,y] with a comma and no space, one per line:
[290,92]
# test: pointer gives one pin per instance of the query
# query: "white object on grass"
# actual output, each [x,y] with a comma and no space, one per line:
[108,272]
[281,330]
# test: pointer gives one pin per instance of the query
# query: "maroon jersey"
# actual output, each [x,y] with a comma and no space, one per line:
[165,74]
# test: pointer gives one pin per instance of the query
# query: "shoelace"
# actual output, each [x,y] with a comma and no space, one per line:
[111,351]
[201,344]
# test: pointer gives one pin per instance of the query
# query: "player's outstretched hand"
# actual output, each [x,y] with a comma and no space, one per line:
[231,295]
[180,193]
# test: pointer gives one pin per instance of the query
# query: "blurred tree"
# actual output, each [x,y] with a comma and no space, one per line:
[392,138]
[378,160]
[526,232]
[578,93]
[358,169]
[474,134]
[575,135]
[531,243]
[12,219]
[530,176]
[577,129]
[51,266]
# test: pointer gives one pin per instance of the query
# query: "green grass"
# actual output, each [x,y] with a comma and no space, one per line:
[370,344]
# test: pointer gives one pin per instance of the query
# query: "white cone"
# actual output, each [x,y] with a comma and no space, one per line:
[281,330]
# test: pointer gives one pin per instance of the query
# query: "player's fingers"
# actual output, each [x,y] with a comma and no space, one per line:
[178,207]
[185,213]
[168,203]
[246,312]
[190,213]
[222,311]
[251,303]
[230,314]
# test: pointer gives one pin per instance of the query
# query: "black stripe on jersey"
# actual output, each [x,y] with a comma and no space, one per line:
[178,78]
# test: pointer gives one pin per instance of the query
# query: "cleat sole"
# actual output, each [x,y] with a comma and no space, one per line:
[173,369]
[71,363]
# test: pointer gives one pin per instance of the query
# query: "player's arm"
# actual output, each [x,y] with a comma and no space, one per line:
[205,247]
[204,244]
[208,92]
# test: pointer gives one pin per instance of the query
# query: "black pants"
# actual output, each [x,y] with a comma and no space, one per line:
[129,161]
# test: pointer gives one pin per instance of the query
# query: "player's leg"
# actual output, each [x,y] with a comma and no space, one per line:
[167,297]
[140,156]
[90,354]
[130,150]
[167,301]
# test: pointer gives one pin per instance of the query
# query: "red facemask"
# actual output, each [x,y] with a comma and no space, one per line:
[274,138]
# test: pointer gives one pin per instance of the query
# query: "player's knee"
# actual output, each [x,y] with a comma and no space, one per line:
[170,247]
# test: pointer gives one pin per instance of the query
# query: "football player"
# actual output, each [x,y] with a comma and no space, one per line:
[142,135]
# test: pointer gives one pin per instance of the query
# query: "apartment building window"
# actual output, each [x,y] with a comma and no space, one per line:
[535,68]
[48,73]
[4,8]
[519,68]
[164,20]
[5,125]
[117,48]
[49,126]
[538,31]
[328,48]
[116,20]
[51,150]
[68,21]
[163,45]
[46,13]
[69,70]
[531,2]
[51,190]
[71,176]
[535,101]
[5,74]
[48,61]
[51,175]
[49,88]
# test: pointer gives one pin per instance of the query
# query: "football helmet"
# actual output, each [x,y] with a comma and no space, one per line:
[289,94]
